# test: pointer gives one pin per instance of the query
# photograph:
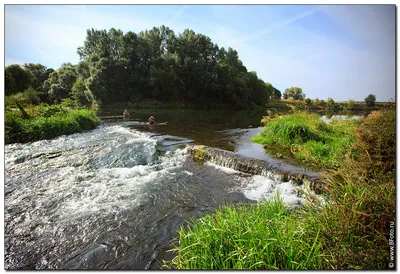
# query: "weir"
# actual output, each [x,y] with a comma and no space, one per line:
[253,166]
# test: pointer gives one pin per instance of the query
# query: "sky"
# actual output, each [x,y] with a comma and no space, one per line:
[338,51]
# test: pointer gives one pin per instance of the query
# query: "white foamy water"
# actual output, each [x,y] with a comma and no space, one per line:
[222,168]
[72,184]
[262,188]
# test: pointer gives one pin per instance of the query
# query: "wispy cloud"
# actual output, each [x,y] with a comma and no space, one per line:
[178,14]
[279,25]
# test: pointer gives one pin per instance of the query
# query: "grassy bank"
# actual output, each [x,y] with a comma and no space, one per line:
[310,139]
[45,122]
[350,231]
[260,236]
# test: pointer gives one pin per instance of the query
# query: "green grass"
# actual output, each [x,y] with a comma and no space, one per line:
[46,122]
[259,236]
[310,139]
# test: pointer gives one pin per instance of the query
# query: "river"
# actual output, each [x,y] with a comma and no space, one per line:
[114,197]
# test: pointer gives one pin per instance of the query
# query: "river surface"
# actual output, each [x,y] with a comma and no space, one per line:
[114,197]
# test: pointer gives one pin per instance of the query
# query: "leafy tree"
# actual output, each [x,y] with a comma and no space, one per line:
[330,103]
[370,100]
[17,79]
[40,73]
[80,94]
[350,104]
[275,93]
[59,84]
[294,92]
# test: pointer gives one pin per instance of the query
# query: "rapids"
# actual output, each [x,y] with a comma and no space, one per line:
[113,198]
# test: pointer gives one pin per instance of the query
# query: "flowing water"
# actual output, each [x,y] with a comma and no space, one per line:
[114,197]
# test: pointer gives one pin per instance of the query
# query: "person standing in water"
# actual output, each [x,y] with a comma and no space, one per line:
[126,115]
[151,120]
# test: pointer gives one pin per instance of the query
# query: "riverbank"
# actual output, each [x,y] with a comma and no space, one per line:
[309,138]
[349,231]
[33,123]
[321,105]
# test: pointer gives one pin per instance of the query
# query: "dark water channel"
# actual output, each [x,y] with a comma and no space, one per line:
[113,197]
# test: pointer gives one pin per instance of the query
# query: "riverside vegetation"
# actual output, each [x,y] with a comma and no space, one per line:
[46,122]
[349,231]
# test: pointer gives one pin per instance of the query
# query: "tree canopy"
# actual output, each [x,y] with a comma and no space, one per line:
[370,100]
[158,64]
[294,93]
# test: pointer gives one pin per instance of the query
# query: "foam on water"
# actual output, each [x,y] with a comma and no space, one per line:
[222,168]
[74,181]
[263,188]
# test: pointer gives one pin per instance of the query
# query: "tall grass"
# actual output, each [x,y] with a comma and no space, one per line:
[259,236]
[309,138]
[47,122]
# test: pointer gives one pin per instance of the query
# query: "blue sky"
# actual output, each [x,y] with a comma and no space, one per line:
[338,51]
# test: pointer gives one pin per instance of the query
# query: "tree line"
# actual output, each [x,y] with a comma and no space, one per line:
[155,64]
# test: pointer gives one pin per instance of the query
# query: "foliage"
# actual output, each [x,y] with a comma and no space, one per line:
[274,92]
[294,93]
[375,150]
[330,103]
[47,123]
[356,222]
[259,236]
[17,79]
[29,96]
[40,74]
[309,138]
[350,105]
[370,100]
[59,84]
[158,65]
[80,94]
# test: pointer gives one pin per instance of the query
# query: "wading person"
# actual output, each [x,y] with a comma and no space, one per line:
[152,120]
[126,115]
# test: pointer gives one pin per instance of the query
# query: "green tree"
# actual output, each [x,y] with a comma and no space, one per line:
[370,100]
[17,79]
[330,103]
[350,104]
[294,92]
[59,84]
[275,94]
[40,72]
